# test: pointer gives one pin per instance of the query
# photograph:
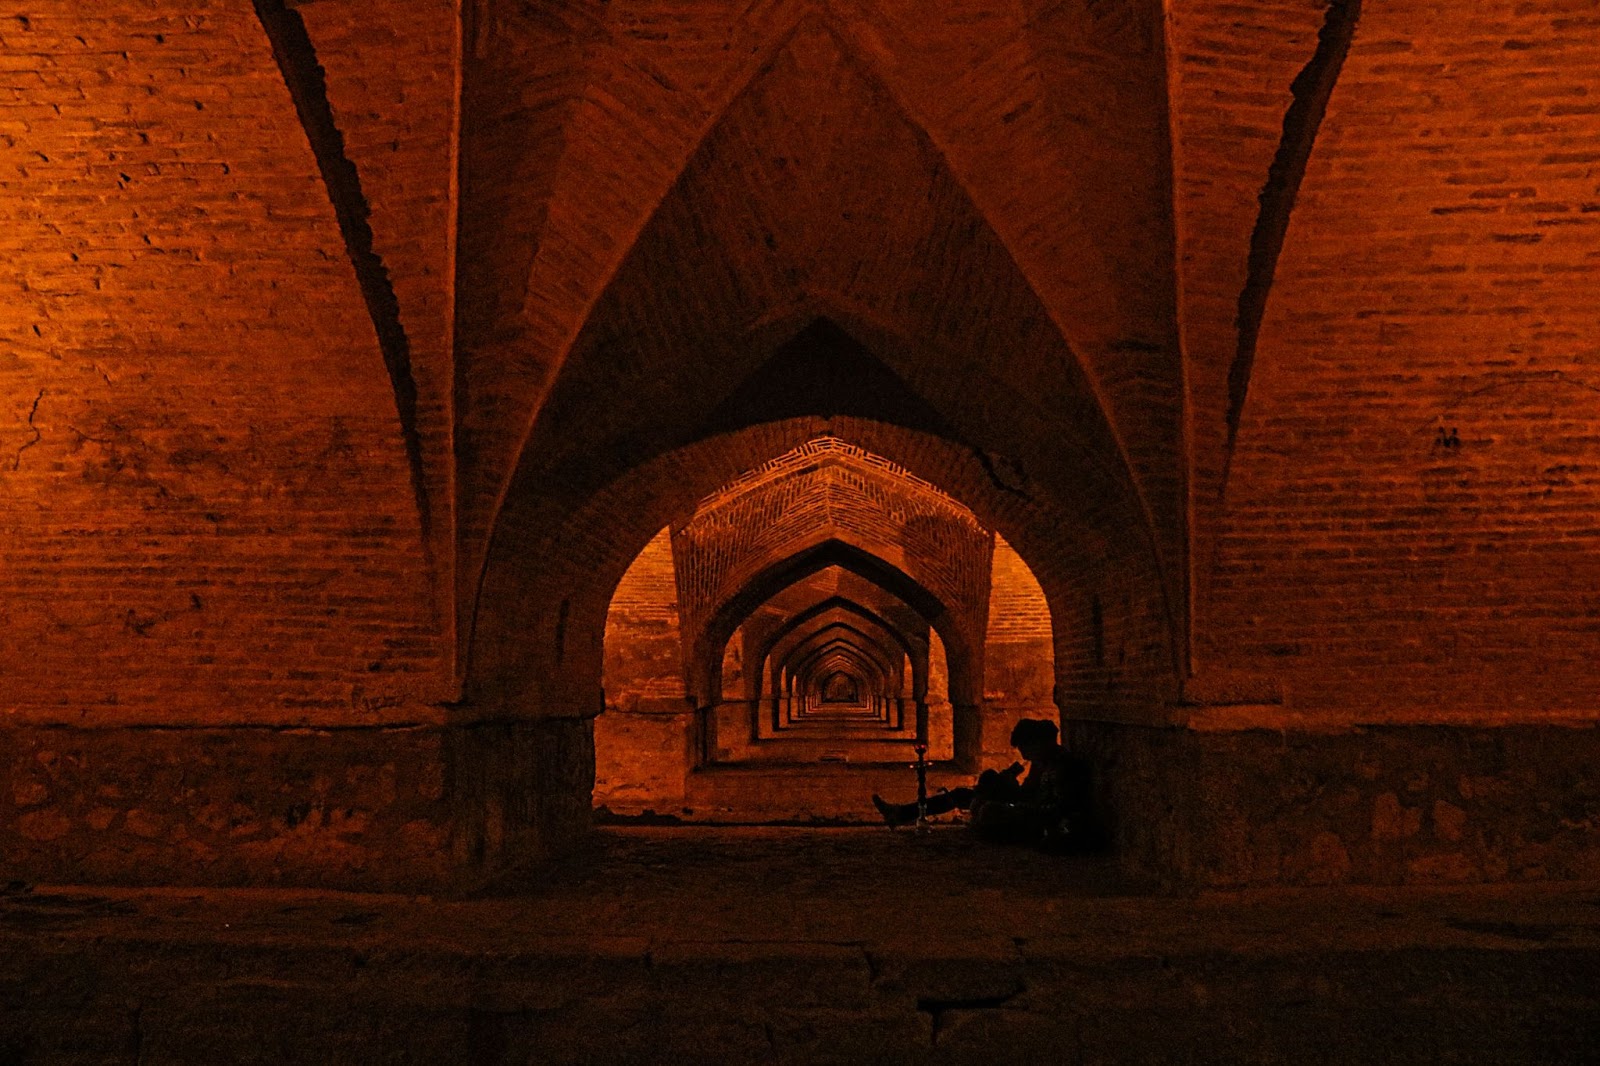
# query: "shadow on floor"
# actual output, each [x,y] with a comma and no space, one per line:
[815,866]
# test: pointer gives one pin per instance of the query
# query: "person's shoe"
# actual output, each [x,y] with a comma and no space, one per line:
[892,817]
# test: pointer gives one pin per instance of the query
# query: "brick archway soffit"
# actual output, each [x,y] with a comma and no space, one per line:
[555,500]
[939,543]
[835,637]
[841,679]
[872,681]
[840,665]
[776,649]
[886,651]
[836,582]
[825,458]
[916,585]
[866,687]
[807,652]
[731,613]
[581,553]
[836,655]
[839,648]
[835,608]
[745,180]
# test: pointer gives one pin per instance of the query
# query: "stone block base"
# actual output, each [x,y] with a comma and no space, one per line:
[421,808]
[448,807]
[1373,805]
[348,808]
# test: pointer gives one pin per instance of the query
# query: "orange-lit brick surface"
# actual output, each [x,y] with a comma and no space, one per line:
[757,697]
[207,512]
[1409,524]
[1218,379]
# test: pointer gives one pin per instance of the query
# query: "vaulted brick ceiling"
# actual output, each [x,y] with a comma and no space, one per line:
[297,284]
[842,612]
[639,180]
[811,182]
[650,185]
[886,647]
[827,491]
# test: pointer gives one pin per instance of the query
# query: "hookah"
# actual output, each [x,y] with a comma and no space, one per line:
[921,767]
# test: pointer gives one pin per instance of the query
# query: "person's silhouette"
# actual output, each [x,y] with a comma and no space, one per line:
[1048,805]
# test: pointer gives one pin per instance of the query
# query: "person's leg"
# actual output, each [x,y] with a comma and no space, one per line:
[995,787]
[895,813]
[945,802]
[938,803]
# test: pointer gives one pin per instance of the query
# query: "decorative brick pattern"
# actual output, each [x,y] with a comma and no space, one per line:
[826,490]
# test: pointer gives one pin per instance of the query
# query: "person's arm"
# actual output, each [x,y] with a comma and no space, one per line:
[1041,789]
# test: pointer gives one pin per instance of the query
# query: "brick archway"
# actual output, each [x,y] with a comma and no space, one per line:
[842,610]
[537,645]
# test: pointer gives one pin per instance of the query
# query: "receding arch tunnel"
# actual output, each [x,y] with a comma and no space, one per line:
[832,431]
[725,636]
[726,333]
[428,421]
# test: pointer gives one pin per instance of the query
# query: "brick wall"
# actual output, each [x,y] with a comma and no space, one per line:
[828,489]
[1232,67]
[1019,663]
[390,73]
[642,741]
[1019,618]
[208,514]
[1415,493]
[644,649]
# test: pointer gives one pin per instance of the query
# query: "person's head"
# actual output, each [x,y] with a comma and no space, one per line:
[1033,736]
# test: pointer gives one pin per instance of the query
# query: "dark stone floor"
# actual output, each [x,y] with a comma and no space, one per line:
[801,945]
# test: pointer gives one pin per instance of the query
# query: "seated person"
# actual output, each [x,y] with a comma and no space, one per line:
[1048,807]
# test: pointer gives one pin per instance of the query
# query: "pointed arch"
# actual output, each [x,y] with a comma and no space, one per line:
[844,605]
[689,311]
[735,608]
[547,554]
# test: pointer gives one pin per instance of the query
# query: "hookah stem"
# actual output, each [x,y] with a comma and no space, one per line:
[922,782]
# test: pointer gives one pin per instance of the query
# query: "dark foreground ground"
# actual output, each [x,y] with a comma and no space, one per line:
[807,946]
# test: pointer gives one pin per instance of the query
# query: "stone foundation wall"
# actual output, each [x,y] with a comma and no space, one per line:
[520,792]
[418,809]
[433,807]
[350,808]
[643,759]
[1374,805]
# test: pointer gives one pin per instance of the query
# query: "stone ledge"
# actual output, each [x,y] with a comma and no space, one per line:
[1501,976]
